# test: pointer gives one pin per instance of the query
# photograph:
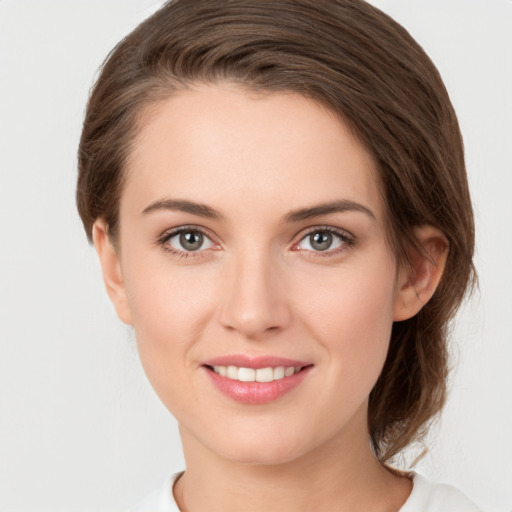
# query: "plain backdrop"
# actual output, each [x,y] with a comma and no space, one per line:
[80,427]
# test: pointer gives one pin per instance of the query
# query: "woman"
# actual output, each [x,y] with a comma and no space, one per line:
[277,194]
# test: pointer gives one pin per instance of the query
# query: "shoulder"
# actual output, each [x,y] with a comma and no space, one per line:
[160,500]
[427,496]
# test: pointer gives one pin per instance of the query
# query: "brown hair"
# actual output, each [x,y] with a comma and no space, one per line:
[362,65]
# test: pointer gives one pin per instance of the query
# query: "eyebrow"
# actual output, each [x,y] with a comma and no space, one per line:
[203,210]
[343,205]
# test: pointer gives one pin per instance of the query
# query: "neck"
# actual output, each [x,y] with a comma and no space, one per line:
[342,475]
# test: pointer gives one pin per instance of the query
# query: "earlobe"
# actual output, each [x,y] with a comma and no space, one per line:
[419,280]
[111,269]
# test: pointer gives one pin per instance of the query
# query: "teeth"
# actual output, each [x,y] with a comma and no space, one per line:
[259,375]
[246,374]
[289,371]
[231,373]
[264,374]
[279,372]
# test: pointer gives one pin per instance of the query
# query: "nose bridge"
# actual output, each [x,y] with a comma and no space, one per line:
[254,301]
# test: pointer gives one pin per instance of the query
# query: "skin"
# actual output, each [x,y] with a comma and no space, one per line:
[257,286]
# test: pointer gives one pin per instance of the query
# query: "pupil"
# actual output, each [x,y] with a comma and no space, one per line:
[191,240]
[321,241]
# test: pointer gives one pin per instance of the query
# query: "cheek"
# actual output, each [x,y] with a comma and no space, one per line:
[170,309]
[349,311]
[359,296]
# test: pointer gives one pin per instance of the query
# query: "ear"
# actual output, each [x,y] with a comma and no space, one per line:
[111,269]
[418,281]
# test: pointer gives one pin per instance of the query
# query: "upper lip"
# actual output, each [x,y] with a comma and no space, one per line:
[244,361]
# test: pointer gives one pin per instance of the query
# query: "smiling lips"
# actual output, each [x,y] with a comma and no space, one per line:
[268,374]
[256,381]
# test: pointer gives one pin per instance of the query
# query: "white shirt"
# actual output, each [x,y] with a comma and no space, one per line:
[425,497]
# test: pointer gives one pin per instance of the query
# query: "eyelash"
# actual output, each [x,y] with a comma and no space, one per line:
[347,241]
[163,241]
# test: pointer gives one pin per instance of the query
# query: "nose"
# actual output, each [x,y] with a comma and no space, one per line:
[254,300]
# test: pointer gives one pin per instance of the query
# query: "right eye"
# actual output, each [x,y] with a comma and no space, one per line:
[184,241]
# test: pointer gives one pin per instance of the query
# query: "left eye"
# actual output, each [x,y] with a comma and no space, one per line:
[189,240]
[321,240]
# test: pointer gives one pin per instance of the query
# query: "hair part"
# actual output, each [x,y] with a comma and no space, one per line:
[353,59]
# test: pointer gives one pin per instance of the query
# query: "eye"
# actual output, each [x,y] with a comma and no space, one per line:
[324,240]
[187,240]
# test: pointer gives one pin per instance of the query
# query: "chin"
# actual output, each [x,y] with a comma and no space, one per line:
[255,449]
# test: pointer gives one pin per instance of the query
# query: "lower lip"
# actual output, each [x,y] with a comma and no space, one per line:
[257,392]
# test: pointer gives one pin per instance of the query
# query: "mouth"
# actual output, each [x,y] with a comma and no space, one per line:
[256,380]
[244,374]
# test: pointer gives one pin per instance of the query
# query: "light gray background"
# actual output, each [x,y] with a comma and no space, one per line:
[80,428]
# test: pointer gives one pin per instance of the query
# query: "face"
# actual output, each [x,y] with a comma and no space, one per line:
[252,248]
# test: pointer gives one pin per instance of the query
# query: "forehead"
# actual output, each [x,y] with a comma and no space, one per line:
[226,146]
